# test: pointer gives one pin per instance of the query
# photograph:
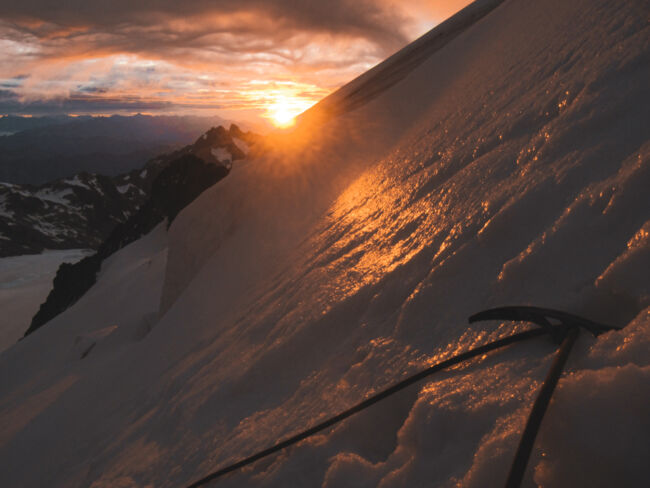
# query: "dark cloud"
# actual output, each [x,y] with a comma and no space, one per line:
[11,83]
[92,89]
[131,23]
[107,56]
[81,102]
[7,97]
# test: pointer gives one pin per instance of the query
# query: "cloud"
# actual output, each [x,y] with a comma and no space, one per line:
[195,53]
[189,22]
[9,103]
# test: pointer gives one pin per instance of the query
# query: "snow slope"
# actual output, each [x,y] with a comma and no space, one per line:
[25,281]
[509,167]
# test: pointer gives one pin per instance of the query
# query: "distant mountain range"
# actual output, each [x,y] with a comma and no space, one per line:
[10,124]
[75,212]
[82,211]
[44,149]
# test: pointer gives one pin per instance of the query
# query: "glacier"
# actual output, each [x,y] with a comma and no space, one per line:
[509,167]
[24,284]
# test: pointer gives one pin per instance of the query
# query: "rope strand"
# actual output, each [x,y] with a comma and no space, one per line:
[506,341]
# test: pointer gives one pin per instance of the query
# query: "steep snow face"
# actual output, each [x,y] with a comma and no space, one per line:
[514,169]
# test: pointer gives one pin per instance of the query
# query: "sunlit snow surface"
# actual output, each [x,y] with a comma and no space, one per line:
[510,168]
[25,282]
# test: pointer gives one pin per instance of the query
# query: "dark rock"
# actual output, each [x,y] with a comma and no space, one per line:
[70,283]
[174,187]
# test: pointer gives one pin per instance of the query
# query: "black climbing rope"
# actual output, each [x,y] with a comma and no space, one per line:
[521,336]
[566,332]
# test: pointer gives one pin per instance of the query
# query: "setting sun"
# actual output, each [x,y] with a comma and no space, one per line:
[281,115]
[283,110]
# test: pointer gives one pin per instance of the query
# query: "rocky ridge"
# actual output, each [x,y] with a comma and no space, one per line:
[169,183]
[82,211]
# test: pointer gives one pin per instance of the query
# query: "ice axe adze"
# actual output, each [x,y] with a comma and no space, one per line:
[565,333]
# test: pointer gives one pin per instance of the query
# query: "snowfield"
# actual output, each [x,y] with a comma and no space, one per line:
[25,282]
[510,167]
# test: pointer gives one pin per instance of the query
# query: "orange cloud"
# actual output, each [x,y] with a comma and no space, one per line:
[196,55]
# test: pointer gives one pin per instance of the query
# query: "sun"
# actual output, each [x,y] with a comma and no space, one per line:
[283,109]
[281,114]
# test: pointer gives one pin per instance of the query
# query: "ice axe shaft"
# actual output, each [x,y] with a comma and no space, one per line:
[539,409]
[564,332]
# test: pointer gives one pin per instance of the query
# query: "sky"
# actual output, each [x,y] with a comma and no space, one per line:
[240,59]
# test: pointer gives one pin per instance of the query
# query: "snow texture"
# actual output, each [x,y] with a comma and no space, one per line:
[511,167]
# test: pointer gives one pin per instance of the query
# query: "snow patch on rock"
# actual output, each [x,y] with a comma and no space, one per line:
[221,154]
[245,148]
